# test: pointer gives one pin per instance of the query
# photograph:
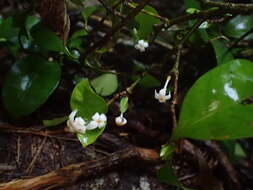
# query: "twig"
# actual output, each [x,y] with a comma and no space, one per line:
[224,160]
[114,30]
[230,7]
[71,173]
[128,91]
[7,128]
[175,72]
[18,150]
[31,165]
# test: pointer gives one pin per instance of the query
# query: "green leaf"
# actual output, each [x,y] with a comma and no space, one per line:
[28,84]
[87,12]
[105,84]
[86,101]
[55,121]
[239,151]
[47,39]
[221,51]
[30,22]
[7,29]
[166,151]
[192,4]
[148,81]
[216,106]
[192,10]
[90,136]
[166,174]
[123,104]
[238,26]
[146,22]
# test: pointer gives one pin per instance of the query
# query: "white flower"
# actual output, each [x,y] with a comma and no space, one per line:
[161,96]
[75,124]
[98,120]
[120,120]
[141,45]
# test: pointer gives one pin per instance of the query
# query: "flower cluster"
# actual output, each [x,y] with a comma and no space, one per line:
[141,45]
[161,96]
[79,125]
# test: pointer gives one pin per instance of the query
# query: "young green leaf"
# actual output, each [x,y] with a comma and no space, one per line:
[28,84]
[123,104]
[90,136]
[55,121]
[105,84]
[86,101]
[215,107]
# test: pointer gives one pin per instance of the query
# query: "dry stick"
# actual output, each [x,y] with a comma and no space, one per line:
[71,173]
[175,71]
[232,7]
[128,91]
[31,165]
[124,22]
[11,129]
[224,160]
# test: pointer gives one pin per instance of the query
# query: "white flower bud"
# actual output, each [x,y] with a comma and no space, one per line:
[120,120]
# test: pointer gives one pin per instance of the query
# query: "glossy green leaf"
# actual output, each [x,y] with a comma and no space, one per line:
[86,101]
[167,151]
[47,39]
[216,106]
[221,51]
[55,121]
[90,136]
[238,26]
[146,22]
[28,85]
[7,29]
[105,84]
[123,104]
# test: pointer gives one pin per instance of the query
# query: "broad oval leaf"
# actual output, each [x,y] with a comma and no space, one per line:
[105,84]
[146,22]
[87,102]
[28,84]
[46,38]
[238,26]
[218,105]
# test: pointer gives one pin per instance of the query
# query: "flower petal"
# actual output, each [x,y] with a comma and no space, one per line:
[103,117]
[92,125]
[95,116]
[156,95]
[72,115]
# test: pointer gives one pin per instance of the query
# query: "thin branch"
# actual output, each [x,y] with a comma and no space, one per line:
[230,7]
[175,72]
[117,28]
